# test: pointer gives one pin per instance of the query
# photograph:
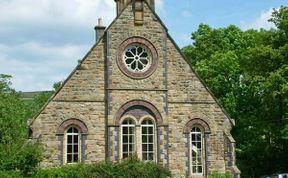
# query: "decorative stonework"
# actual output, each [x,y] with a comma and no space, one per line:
[145,104]
[130,71]
[196,122]
[73,122]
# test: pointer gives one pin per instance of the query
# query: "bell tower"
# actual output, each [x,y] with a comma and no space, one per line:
[121,4]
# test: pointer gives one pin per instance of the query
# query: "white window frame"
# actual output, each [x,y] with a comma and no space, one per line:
[144,118]
[121,135]
[66,144]
[138,136]
[202,150]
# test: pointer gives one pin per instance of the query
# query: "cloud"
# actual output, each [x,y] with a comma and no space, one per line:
[42,40]
[260,22]
[55,11]
[45,65]
[52,20]
[160,6]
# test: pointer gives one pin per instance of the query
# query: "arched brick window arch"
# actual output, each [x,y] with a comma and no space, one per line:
[146,107]
[197,122]
[197,133]
[72,134]
[73,122]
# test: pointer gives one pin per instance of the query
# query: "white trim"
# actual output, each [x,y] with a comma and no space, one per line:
[202,150]
[121,134]
[150,118]
[65,145]
[138,135]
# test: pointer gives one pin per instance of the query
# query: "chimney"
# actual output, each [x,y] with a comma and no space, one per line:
[121,4]
[99,29]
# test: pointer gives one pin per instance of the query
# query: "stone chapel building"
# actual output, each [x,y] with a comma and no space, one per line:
[134,93]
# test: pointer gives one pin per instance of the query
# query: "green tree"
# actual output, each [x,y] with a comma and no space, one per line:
[34,106]
[247,72]
[16,152]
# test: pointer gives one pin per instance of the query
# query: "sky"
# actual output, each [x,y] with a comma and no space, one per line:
[42,40]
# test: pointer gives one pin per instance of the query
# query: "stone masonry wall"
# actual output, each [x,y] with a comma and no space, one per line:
[81,97]
[97,89]
[189,99]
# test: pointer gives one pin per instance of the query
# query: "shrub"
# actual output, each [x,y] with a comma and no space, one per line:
[129,168]
[10,174]
[68,171]
[220,175]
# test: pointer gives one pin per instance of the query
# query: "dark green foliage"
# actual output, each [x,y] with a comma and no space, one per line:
[248,72]
[10,174]
[39,100]
[129,168]
[16,152]
[219,175]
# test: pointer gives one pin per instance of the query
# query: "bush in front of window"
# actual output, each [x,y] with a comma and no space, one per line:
[131,167]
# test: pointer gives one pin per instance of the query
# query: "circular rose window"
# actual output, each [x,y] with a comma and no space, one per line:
[137,58]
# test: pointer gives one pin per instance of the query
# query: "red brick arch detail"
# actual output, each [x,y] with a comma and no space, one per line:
[73,122]
[197,122]
[146,104]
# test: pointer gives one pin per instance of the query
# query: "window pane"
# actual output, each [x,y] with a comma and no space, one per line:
[144,147]
[125,139]
[150,129]
[193,137]
[144,130]
[70,130]
[144,139]
[131,148]
[150,122]
[151,139]
[75,138]
[69,158]
[131,139]
[194,145]
[150,147]
[76,158]
[199,169]
[69,148]
[125,130]
[75,148]
[69,139]
[194,169]
[198,137]
[198,145]
[131,130]
[151,156]
[125,148]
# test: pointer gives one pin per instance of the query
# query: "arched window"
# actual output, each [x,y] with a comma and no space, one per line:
[72,145]
[148,140]
[196,152]
[128,137]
